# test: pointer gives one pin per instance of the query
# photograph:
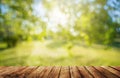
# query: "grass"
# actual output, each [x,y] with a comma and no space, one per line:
[37,53]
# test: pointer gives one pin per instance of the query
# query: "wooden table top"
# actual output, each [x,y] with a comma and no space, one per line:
[59,71]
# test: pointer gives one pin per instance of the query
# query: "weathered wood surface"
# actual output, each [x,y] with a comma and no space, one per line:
[59,71]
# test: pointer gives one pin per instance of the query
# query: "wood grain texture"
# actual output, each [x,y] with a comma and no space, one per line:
[107,73]
[116,67]
[36,74]
[84,72]
[59,71]
[94,72]
[74,72]
[55,73]
[112,70]
[65,72]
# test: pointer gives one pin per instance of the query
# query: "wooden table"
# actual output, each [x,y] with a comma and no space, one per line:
[59,71]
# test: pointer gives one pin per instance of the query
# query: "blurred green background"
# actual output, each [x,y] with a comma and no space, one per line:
[59,32]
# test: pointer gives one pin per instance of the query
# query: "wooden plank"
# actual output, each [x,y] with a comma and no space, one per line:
[74,72]
[106,73]
[112,70]
[55,72]
[4,69]
[65,72]
[29,71]
[23,73]
[36,73]
[95,72]
[45,72]
[116,67]
[84,72]
[10,71]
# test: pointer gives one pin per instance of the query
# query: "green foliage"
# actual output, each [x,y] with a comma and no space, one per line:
[89,24]
[67,30]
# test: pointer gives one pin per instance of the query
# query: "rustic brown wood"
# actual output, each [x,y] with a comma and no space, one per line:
[59,71]
[9,70]
[94,72]
[114,71]
[84,72]
[116,67]
[10,73]
[1,67]
[36,73]
[46,74]
[74,72]
[65,72]
[107,73]
[55,72]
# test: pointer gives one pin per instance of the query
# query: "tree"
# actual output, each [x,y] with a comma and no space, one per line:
[13,13]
